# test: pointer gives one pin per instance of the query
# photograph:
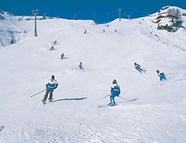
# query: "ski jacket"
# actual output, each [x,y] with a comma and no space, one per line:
[137,66]
[115,89]
[80,66]
[162,76]
[52,83]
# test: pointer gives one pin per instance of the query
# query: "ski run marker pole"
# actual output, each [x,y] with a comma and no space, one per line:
[38,93]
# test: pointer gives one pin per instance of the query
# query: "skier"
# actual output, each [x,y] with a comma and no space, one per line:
[161,75]
[55,42]
[80,66]
[50,86]
[85,32]
[52,48]
[62,55]
[139,68]
[115,91]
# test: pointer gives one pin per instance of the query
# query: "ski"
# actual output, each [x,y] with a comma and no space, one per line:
[64,58]
[43,102]
[105,106]
[46,102]
[157,84]
[102,106]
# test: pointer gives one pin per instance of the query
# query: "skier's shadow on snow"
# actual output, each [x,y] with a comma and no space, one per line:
[62,99]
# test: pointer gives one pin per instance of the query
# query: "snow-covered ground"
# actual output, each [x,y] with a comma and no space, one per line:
[157,115]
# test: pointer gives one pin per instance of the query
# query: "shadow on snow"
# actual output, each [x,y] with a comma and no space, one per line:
[62,99]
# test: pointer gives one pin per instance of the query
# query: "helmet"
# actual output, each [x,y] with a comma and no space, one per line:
[53,77]
[157,71]
[114,81]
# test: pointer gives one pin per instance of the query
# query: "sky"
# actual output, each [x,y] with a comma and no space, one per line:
[101,11]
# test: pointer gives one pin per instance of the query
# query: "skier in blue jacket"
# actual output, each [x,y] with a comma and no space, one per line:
[139,68]
[161,75]
[50,86]
[115,91]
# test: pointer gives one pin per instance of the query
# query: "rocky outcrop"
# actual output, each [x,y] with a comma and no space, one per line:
[169,19]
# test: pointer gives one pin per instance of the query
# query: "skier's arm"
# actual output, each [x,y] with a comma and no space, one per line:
[46,85]
[56,85]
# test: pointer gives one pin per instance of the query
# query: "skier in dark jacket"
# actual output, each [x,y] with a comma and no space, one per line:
[115,91]
[81,66]
[62,55]
[50,86]
[161,75]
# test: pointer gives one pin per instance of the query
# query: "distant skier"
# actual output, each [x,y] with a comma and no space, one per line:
[52,48]
[62,55]
[50,86]
[85,32]
[115,91]
[107,25]
[81,66]
[161,75]
[139,68]
[55,42]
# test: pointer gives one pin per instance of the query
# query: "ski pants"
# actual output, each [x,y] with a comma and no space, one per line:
[48,90]
[81,67]
[113,95]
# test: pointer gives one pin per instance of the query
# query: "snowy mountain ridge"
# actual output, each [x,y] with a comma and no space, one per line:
[147,111]
[14,28]
[11,30]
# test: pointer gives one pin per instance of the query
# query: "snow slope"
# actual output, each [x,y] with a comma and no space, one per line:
[157,115]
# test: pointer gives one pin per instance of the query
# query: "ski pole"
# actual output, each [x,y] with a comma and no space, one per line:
[38,93]
[106,96]
[123,98]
